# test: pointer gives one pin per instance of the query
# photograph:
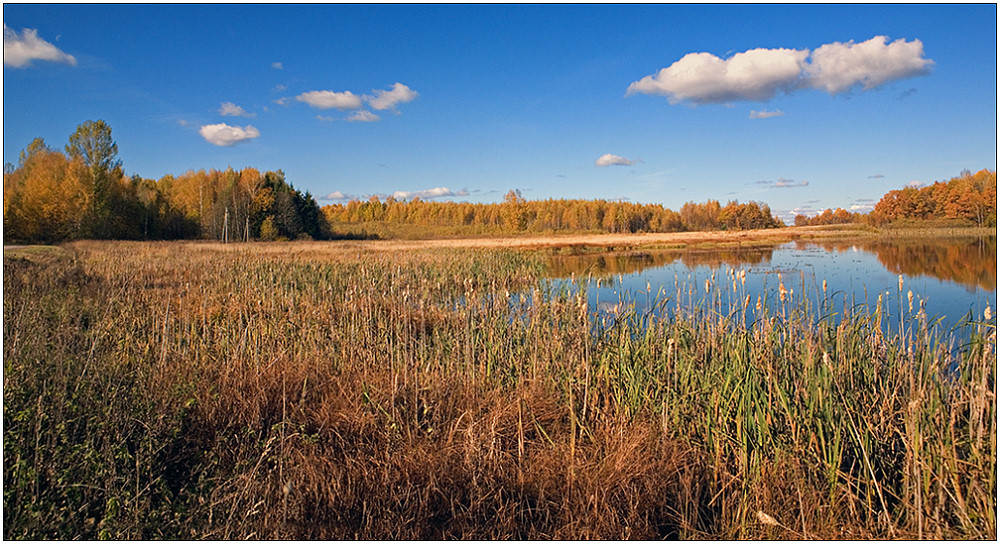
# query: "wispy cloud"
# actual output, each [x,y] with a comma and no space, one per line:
[19,50]
[381,99]
[782,183]
[363,116]
[326,118]
[232,110]
[876,176]
[764,114]
[225,135]
[760,74]
[429,194]
[277,66]
[325,100]
[608,160]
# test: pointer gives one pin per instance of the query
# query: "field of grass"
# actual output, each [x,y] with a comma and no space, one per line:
[367,391]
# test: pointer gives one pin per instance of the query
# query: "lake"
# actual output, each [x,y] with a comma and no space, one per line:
[953,278]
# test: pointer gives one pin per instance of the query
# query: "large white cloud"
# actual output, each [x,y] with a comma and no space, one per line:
[760,74]
[608,159]
[704,78]
[384,100]
[225,135]
[837,67]
[20,49]
[325,100]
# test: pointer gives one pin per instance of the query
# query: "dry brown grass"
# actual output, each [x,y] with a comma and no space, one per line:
[337,391]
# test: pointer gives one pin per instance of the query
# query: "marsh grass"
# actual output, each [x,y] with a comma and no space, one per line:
[189,390]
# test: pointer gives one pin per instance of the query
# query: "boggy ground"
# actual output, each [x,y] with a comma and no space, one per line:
[180,390]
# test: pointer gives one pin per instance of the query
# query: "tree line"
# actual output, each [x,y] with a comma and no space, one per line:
[969,199]
[53,196]
[515,214]
[83,192]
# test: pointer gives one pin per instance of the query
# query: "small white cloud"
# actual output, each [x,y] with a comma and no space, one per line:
[363,116]
[384,100]
[764,114]
[783,183]
[326,118]
[225,135]
[608,159]
[861,208]
[337,195]
[277,66]
[837,67]
[182,122]
[437,192]
[19,50]
[915,184]
[232,110]
[283,101]
[278,88]
[325,100]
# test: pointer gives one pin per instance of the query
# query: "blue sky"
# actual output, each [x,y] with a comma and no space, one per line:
[801,107]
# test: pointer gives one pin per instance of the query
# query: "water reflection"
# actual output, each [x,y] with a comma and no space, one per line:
[630,262]
[953,279]
[970,262]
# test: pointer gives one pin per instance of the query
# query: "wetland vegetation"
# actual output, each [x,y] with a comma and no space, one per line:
[318,390]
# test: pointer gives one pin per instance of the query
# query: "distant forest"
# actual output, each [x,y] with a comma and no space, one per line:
[83,193]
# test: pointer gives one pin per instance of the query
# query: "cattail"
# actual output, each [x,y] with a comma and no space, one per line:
[900,283]
[782,291]
[909,299]
[824,287]
[987,313]
[708,286]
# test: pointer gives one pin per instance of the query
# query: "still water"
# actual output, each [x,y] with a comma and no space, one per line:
[955,280]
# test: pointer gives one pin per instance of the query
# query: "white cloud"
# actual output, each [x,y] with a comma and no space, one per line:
[837,67]
[325,100]
[608,159]
[760,74]
[232,110]
[20,49]
[384,100]
[783,183]
[437,192]
[337,195]
[326,118]
[861,208]
[363,116]
[764,114]
[704,78]
[915,184]
[876,176]
[277,66]
[225,135]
